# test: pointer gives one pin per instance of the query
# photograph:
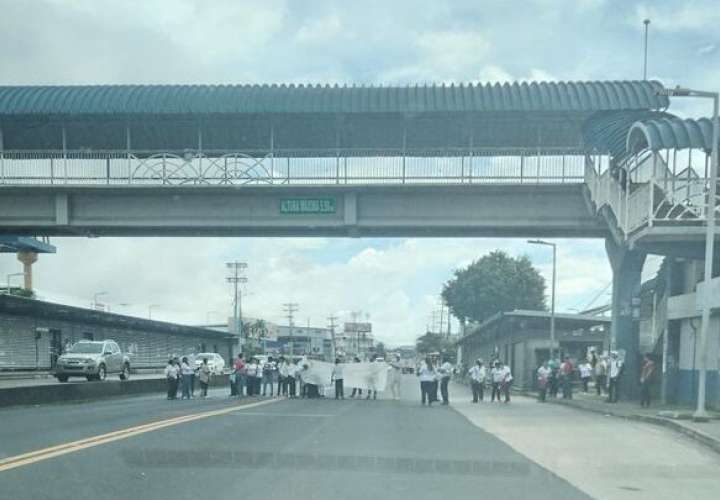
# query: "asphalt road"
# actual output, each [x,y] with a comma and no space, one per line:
[149,448]
[301,449]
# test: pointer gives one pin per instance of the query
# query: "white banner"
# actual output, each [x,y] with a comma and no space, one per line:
[369,376]
[318,373]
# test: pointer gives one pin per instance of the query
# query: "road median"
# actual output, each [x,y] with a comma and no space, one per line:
[87,391]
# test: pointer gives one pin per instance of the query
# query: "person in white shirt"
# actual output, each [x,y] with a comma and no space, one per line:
[337,376]
[395,374]
[251,373]
[585,374]
[543,379]
[614,372]
[506,382]
[187,372]
[282,388]
[477,373]
[496,377]
[446,369]
[292,371]
[171,374]
[426,374]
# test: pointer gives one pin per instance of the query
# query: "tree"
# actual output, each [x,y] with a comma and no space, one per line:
[495,283]
[433,342]
[380,349]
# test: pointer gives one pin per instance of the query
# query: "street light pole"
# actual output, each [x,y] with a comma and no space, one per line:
[552,299]
[701,414]
[150,308]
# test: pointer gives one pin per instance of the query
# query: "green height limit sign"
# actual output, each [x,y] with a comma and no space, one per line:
[307,206]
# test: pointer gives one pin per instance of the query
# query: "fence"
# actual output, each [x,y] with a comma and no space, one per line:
[282,167]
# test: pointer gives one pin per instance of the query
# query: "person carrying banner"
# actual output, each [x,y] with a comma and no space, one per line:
[395,377]
[372,388]
[337,376]
[356,390]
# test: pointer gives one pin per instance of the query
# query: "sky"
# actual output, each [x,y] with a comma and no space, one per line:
[395,282]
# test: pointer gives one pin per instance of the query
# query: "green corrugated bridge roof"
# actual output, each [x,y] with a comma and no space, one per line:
[257,99]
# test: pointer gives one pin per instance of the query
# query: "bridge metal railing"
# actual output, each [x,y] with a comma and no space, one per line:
[648,196]
[292,167]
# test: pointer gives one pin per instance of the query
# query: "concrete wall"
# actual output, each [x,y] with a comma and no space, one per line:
[390,210]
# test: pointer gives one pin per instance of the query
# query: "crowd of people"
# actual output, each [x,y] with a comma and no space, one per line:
[434,375]
[281,377]
[180,375]
[605,371]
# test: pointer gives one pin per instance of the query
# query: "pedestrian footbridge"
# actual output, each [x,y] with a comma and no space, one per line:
[548,159]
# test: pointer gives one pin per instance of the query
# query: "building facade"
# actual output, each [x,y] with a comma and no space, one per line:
[34,333]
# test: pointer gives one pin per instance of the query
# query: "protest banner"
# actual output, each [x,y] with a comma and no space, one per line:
[368,376]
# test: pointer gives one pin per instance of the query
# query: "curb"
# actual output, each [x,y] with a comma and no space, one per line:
[697,436]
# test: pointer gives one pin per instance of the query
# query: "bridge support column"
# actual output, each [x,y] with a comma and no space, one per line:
[28,258]
[627,268]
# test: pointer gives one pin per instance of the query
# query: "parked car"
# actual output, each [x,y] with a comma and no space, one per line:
[215,362]
[93,360]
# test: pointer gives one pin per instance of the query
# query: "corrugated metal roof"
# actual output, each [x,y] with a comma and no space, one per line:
[607,132]
[670,133]
[206,99]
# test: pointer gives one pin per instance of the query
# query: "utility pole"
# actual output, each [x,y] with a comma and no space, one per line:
[449,324]
[442,322]
[290,308]
[236,269]
[332,319]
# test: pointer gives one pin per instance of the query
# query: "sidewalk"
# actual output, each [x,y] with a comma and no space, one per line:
[677,418]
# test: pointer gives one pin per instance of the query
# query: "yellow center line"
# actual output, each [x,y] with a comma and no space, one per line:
[81,444]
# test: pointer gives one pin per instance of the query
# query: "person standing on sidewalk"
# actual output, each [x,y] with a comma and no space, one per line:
[585,374]
[646,378]
[543,379]
[446,369]
[554,380]
[600,375]
[505,382]
[204,377]
[426,374]
[614,372]
[337,375]
[477,374]
[171,374]
[496,378]
[187,372]
[566,373]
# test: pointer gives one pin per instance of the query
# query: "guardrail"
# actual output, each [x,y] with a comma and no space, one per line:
[282,167]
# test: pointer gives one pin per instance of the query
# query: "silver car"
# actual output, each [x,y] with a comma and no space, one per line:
[93,360]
